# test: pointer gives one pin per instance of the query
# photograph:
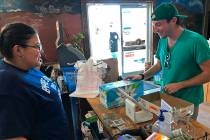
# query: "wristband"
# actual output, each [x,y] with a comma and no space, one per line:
[142,76]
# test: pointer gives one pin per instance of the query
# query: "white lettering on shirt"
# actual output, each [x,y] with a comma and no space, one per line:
[45,84]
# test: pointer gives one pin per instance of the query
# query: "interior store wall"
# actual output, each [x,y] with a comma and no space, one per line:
[42,14]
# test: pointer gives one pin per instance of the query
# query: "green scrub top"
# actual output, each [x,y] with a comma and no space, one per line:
[181,62]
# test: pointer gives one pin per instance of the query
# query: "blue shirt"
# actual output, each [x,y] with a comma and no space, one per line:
[30,105]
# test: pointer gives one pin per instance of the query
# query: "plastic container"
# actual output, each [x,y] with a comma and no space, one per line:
[162,126]
[70,77]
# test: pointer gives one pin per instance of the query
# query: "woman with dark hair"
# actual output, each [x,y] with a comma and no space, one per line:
[30,103]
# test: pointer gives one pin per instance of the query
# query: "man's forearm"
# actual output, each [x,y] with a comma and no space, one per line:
[150,72]
[201,78]
[197,80]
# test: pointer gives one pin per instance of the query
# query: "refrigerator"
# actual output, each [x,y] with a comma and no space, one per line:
[122,31]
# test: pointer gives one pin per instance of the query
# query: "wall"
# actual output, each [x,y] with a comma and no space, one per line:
[43,16]
[206,28]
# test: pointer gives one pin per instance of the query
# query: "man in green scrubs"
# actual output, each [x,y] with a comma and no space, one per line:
[183,56]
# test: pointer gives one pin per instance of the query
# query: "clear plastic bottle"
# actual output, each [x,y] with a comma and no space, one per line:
[162,126]
[155,127]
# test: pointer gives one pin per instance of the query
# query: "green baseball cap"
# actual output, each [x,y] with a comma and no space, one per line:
[166,11]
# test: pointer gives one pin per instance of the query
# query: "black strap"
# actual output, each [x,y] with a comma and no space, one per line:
[142,75]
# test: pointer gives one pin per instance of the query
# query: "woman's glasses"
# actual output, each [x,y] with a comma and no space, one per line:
[167,59]
[37,46]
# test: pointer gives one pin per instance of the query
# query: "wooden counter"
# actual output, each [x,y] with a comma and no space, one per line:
[106,115]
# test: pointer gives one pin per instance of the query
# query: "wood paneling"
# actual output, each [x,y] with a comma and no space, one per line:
[207,92]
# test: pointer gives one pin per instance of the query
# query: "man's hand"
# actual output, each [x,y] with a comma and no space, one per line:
[133,77]
[173,87]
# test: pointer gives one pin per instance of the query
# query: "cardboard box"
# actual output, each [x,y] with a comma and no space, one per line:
[110,97]
[203,114]
[153,102]
[135,114]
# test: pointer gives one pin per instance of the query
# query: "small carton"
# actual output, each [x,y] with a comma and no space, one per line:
[135,113]
[110,97]
[153,102]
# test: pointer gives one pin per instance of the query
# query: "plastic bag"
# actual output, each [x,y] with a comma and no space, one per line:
[88,80]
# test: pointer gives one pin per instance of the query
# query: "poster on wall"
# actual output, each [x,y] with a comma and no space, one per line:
[41,6]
